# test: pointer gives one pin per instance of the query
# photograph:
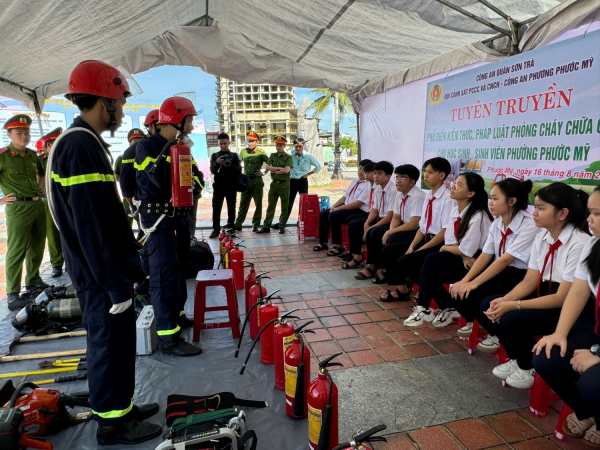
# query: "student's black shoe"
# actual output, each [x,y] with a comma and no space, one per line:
[282,231]
[255,229]
[185,322]
[214,234]
[56,272]
[179,347]
[263,230]
[275,227]
[16,302]
[145,411]
[238,228]
[127,433]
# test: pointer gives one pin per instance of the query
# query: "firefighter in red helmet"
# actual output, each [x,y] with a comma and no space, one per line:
[100,251]
[167,244]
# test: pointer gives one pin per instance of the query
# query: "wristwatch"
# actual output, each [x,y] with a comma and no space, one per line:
[595,350]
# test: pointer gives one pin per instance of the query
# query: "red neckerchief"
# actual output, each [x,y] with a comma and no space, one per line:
[457,226]
[353,189]
[428,216]
[551,250]
[402,207]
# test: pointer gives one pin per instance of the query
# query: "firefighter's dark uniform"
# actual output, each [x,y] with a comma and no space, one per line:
[57,259]
[126,206]
[25,218]
[103,262]
[168,247]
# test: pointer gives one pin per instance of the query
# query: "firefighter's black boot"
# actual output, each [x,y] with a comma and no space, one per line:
[179,347]
[127,433]
[145,411]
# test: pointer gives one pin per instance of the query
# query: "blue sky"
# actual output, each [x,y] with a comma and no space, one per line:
[162,82]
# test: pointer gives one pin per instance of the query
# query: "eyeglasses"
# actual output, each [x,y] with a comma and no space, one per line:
[402,178]
[455,186]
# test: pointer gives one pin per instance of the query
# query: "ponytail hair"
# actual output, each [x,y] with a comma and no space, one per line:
[519,190]
[479,201]
[593,258]
[563,196]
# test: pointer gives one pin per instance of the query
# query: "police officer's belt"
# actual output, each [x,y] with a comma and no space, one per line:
[27,199]
[148,207]
[280,181]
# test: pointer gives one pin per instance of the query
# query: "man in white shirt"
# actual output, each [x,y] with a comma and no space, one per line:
[406,212]
[380,215]
[403,261]
[350,204]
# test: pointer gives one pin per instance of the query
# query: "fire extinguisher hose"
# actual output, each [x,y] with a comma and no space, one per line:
[258,303]
[269,323]
[326,425]
[300,388]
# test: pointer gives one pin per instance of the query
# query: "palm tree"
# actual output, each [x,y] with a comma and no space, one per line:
[342,108]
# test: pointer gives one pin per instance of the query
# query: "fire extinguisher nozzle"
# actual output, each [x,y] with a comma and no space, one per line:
[243,369]
[237,352]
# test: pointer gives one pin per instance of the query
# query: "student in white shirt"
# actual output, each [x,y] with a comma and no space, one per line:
[349,204]
[403,260]
[574,347]
[508,246]
[533,307]
[466,231]
[406,213]
[383,196]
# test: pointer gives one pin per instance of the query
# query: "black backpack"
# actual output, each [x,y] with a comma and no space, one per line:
[201,258]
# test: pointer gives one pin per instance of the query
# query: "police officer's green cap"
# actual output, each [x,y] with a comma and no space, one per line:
[18,121]
[252,136]
[280,140]
[135,133]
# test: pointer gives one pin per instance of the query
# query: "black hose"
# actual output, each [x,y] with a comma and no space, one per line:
[237,350]
[326,424]
[255,341]
[299,399]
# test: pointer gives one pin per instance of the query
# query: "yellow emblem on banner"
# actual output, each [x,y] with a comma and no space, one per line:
[435,94]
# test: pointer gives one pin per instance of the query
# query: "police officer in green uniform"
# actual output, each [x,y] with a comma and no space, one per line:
[22,174]
[44,147]
[279,164]
[134,135]
[253,159]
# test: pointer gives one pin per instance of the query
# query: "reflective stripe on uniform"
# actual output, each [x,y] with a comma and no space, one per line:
[168,332]
[127,161]
[80,179]
[182,313]
[198,181]
[114,414]
[147,161]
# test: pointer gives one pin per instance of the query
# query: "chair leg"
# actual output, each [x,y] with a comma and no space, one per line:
[540,397]
[199,310]
[564,413]
[232,308]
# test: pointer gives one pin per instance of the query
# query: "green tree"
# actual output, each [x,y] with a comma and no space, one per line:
[342,108]
[349,145]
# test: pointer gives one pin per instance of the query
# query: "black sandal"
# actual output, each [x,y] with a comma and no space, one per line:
[356,262]
[335,251]
[319,247]
[377,280]
[390,298]
[362,276]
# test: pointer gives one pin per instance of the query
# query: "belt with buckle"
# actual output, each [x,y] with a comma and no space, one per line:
[148,207]
[280,181]
[27,199]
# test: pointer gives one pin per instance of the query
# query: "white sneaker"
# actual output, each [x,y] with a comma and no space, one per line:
[417,317]
[444,317]
[466,330]
[490,345]
[503,371]
[521,379]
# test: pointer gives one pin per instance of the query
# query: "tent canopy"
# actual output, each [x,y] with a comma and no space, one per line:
[344,45]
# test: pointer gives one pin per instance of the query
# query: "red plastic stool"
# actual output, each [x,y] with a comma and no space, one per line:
[540,397]
[345,238]
[564,413]
[205,278]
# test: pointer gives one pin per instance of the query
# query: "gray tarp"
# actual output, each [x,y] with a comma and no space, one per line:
[338,44]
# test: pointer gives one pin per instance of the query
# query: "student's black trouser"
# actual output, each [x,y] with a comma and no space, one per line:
[228,194]
[356,230]
[333,221]
[438,269]
[375,245]
[580,393]
[400,267]
[299,186]
[500,285]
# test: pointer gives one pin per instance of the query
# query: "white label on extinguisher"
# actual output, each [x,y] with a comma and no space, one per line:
[314,426]
[185,170]
[291,377]
[287,341]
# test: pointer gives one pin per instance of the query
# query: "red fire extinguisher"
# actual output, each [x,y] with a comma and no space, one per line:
[237,265]
[259,302]
[297,374]
[283,336]
[248,283]
[323,408]
[257,292]
[267,314]
[229,247]
[222,236]
[182,180]
[361,440]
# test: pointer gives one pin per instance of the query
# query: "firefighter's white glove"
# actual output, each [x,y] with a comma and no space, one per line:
[120,307]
